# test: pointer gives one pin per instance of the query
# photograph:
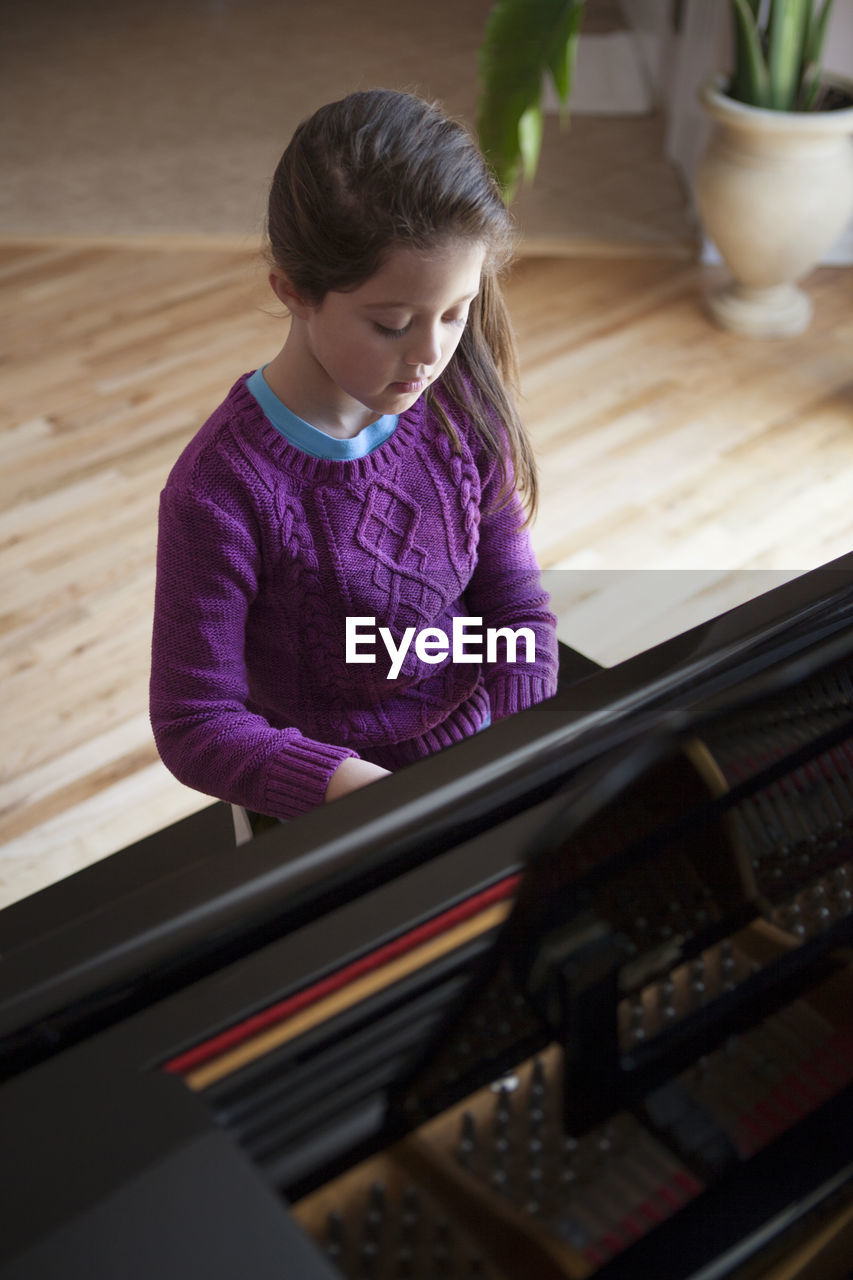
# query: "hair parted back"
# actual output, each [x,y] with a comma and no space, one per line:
[381,170]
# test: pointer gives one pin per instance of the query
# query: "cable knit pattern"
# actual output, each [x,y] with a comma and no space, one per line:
[263,553]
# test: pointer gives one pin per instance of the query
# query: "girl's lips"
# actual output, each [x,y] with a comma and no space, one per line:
[406,388]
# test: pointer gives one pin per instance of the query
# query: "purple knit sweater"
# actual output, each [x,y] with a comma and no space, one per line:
[264,551]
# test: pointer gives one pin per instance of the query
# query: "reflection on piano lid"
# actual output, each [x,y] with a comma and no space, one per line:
[573,996]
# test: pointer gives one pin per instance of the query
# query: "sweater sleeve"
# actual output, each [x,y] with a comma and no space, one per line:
[506,591]
[208,565]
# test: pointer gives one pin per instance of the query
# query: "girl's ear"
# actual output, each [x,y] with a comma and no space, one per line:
[286,293]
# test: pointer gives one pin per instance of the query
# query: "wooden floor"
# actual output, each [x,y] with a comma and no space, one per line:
[683,470]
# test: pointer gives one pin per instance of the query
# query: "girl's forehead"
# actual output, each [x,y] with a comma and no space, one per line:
[453,265]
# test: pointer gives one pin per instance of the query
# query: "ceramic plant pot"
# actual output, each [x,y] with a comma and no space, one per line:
[774,189]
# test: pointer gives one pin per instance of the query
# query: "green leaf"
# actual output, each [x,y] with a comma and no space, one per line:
[530,140]
[522,40]
[786,37]
[751,82]
[816,32]
[561,56]
[809,88]
[813,43]
[778,58]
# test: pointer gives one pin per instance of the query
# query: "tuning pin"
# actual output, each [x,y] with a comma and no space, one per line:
[500,1126]
[376,1207]
[368,1260]
[793,916]
[500,1150]
[666,1000]
[335,1236]
[666,987]
[535,1181]
[841,884]
[373,1226]
[535,1158]
[441,1250]
[509,1082]
[569,1160]
[377,1197]
[405,1268]
[503,1110]
[467,1140]
[535,1109]
[822,904]
[411,1209]
[697,978]
[635,1030]
[604,1141]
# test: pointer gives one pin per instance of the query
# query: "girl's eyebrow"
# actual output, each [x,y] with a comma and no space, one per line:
[378,306]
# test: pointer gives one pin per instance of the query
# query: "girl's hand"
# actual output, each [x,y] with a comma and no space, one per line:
[352,774]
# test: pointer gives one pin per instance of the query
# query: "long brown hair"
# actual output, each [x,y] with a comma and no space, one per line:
[379,170]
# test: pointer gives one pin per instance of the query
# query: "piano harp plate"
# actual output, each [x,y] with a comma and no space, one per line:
[498,1172]
[494,1187]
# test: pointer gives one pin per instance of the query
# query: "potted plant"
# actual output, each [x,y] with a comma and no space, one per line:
[524,40]
[775,186]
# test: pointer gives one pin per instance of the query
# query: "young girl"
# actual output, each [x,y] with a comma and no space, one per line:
[370,471]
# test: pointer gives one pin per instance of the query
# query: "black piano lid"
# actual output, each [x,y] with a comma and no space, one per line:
[177,905]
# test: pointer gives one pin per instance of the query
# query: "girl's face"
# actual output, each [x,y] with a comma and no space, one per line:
[374,349]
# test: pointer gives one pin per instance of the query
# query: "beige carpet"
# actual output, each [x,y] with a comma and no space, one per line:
[166,117]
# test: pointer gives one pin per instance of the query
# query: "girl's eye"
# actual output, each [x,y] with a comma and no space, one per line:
[390,333]
[459,321]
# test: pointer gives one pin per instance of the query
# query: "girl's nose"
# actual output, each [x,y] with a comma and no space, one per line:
[424,349]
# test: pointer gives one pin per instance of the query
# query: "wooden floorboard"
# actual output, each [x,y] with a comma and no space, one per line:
[683,470]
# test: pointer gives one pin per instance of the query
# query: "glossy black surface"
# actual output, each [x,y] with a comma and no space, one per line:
[179,903]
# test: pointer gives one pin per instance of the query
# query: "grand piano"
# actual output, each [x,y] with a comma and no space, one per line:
[572,998]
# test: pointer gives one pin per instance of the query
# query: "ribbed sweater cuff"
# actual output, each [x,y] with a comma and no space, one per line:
[297,781]
[511,693]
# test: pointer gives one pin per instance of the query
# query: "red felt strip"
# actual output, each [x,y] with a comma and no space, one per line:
[613,1242]
[649,1210]
[276,1013]
[631,1226]
[595,1255]
[691,1184]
